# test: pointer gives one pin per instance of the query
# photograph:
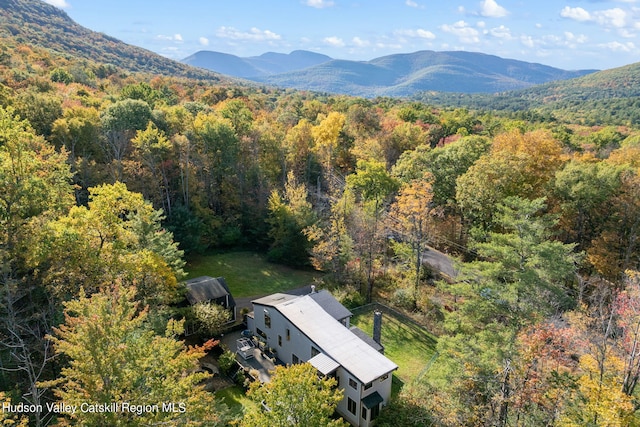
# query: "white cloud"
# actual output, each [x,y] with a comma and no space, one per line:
[334,41]
[62,4]
[553,42]
[357,41]
[528,41]
[575,13]
[319,4]
[626,34]
[381,45]
[463,31]
[619,47]
[255,34]
[416,34]
[491,9]
[203,41]
[501,32]
[615,18]
[173,38]
[412,3]
[573,38]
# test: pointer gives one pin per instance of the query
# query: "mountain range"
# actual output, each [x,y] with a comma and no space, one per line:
[255,67]
[420,74]
[392,75]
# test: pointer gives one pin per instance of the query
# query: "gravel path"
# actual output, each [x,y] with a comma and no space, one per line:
[441,262]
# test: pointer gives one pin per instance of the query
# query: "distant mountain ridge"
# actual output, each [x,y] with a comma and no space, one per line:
[255,66]
[38,23]
[392,75]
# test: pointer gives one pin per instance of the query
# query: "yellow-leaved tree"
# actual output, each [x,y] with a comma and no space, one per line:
[295,396]
[115,358]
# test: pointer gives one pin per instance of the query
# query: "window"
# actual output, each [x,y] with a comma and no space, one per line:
[280,340]
[368,386]
[261,333]
[267,319]
[351,405]
[294,359]
[288,334]
[364,412]
[384,377]
[353,384]
[314,351]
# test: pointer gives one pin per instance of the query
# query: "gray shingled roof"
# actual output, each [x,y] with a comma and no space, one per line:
[205,288]
[366,338]
[331,305]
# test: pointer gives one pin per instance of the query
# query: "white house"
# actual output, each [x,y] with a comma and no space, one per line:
[315,328]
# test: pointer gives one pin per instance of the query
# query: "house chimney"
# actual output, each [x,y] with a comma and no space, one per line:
[377,326]
[313,289]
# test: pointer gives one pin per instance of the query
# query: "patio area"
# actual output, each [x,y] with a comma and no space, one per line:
[252,358]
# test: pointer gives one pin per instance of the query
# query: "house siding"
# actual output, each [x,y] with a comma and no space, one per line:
[300,345]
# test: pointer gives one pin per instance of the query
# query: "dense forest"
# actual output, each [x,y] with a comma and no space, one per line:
[110,179]
[606,97]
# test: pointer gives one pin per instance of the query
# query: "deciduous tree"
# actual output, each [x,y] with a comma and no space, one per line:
[120,121]
[115,358]
[410,216]
[374,185]
[295,396]
[289,216]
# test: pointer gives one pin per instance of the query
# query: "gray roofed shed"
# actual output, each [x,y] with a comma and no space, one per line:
[214,289]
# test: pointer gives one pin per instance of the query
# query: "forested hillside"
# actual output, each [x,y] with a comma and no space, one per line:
[36,22]
[609,96]
[110,180]
[409,73]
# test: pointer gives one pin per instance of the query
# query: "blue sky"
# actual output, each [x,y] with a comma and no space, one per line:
[577,34]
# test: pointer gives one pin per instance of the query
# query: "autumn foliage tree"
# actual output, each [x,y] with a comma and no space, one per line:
[295,396]
[114,357]
[289,215]
[118,235]
[410,216]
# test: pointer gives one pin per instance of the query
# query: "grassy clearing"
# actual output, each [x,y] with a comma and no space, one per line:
[409,346]
[248,273]
[236,400]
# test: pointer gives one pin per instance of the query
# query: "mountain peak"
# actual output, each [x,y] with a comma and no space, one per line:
[269,63]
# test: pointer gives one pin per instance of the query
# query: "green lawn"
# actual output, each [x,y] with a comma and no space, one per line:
[248,273]
[235,399]
[407,345]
